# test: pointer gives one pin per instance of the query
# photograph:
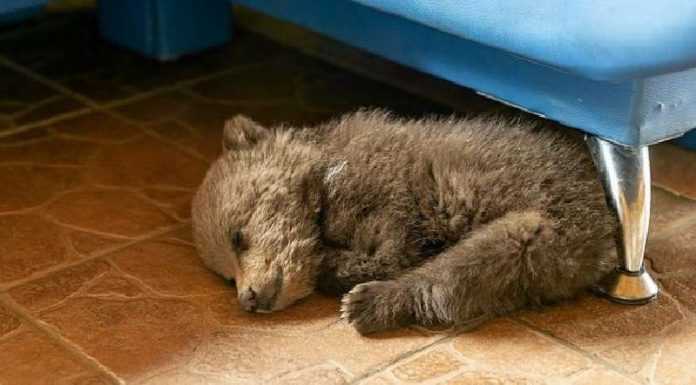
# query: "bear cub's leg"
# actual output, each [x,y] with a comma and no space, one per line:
[378,251]
[494,270]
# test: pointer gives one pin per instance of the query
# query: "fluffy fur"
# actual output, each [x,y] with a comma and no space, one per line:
[424,222]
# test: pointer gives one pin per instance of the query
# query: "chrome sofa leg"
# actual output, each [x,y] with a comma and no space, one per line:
[625,175]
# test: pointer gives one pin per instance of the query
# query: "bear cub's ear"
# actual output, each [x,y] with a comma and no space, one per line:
[241,132]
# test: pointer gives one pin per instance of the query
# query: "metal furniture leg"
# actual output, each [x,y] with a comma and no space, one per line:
[625,175]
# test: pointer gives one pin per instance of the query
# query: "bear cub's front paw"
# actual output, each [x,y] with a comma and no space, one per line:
[374,306]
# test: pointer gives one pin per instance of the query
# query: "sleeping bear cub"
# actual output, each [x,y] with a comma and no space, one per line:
[431,221]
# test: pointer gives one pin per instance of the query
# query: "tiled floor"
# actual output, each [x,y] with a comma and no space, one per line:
[99,284]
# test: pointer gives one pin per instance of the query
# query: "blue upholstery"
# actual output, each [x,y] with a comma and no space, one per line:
[598,39]
[631,111]
[16,10]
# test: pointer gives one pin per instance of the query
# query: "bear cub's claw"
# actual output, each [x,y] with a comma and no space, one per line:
[371,307]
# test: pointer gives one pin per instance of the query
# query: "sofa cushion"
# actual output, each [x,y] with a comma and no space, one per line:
[604,40]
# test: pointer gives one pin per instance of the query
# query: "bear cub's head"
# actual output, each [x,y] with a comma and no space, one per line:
[255,216]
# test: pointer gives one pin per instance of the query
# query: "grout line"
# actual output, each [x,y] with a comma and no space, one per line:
[36,106]
[674,228]
[47,82]
[185,149]
[101,253]
[95,105]
[147,289]
[54,335]
[670,229]
[21,163]
[45,122]
[108,108]
[178,86]
[673,192]
[381,367]
[104,107]
[592,357]
[682,308]
[12,333]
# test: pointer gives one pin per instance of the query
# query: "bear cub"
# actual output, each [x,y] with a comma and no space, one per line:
[429,221]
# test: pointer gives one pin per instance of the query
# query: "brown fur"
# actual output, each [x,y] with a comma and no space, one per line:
[419,221]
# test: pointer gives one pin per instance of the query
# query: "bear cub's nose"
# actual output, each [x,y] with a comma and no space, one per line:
[247,299]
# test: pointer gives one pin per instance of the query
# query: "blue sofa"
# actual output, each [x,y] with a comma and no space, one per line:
[622,71]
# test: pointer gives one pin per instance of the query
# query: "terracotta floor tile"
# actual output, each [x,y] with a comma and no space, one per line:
[673,168]
[183,377]
[278,83]
[430,365]
[248,357]
[132,336]
[24,137]
[324,374]
[482,377]
[676,253]
[53,289]
[174,201]
[33,185]
[601,376]
[182,119]
[24,101]
[674,364]
[35,360]
[170,268]
[626,336]
[668,208]
[211,115]
[283,113]
[29,244]
[145,162]
[196,123]
[8,322]
[86,244]
[49,150]
[97,127]
[144,338]
[505,346]
[30,358]
[50,109]
[319,83]
[6,125]
[356,354]
[378,379]
[182,235]
[116,212]
[683,288]
[115,285]
[205,142]
[311,315]
[179,377]
[139,337]
[162,107]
